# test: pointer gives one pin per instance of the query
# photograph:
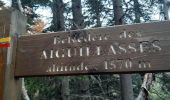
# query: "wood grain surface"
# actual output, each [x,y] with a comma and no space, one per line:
[4,32]
[118,49]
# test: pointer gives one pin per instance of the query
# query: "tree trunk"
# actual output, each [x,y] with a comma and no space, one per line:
[24,91]
[118,12]
[58,17]
[165,10]
[98,20]
[20,6]
[148,77]
[125,79]
[65,90]
[58,25]
[98,11]
[84,88]
[147,82]
[137,11]
[15,4]
[78,23]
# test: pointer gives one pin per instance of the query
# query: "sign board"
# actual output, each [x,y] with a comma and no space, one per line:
[120,49]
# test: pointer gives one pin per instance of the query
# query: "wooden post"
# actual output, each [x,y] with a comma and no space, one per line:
[3,30]
[1,74]
[12,22]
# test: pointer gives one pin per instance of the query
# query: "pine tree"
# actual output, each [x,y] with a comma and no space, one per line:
[78,23]
[58,25]
[125,79]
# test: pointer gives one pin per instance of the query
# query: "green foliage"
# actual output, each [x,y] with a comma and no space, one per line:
[143,8]
[30,7]
[36,3]
[161,87]
[136,81]
[99,11]
[45,87]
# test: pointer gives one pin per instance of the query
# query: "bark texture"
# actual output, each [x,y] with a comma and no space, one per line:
[15,4]
[24,91]
[137,11]
[58,17]
[147,82]
[165,9]
[65,90]
[125,79]
[78,23]
[58,25]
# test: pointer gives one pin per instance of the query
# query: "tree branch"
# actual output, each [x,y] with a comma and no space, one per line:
[20,6]
[24,91]
[147,82]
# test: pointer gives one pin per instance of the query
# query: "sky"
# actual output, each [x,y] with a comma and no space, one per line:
[46,14]
[7,2]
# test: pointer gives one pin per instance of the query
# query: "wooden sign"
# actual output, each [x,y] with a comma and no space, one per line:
[120,49]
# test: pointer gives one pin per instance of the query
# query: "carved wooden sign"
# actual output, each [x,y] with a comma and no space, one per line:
[120,49]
